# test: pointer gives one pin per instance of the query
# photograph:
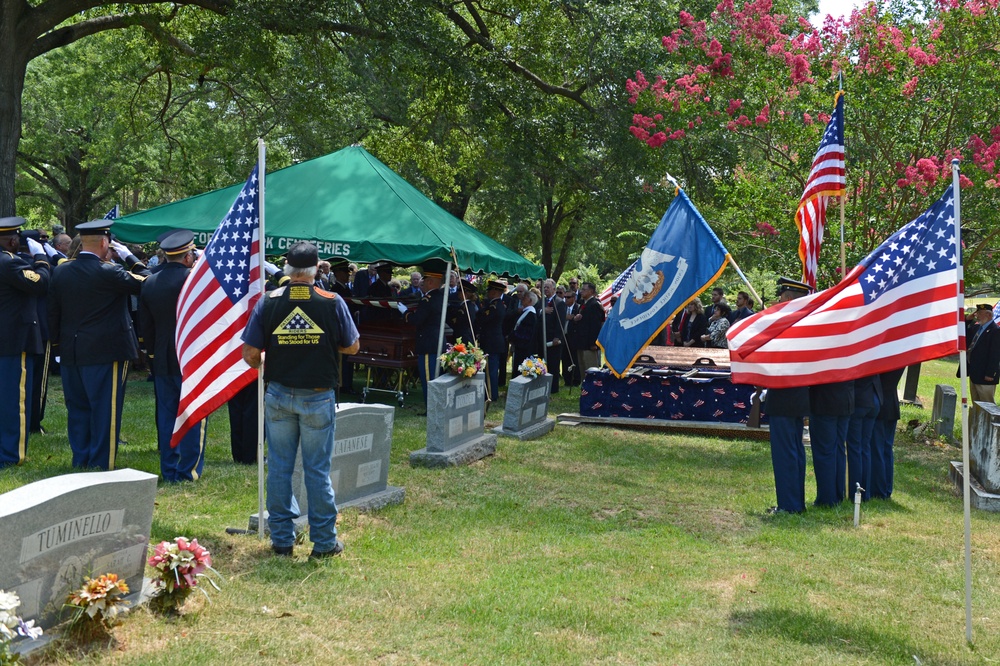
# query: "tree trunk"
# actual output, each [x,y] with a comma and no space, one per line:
[14,50]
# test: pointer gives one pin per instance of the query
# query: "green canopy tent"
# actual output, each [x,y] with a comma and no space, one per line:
[351,205]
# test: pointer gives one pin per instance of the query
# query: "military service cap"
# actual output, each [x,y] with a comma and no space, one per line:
[10,225]
[788,284]
[95,228]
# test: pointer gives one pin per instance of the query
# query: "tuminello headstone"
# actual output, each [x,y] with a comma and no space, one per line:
[59,530]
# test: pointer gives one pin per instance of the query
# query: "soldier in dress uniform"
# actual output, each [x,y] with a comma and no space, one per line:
[40,361]
[158,323]
[489,322]
[786,410]
[340,270]
[92,333]
[21,284]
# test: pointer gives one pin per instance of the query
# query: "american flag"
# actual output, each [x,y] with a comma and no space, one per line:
[113,214]
[213,309]
[897,307]
[828,178]
[615,287]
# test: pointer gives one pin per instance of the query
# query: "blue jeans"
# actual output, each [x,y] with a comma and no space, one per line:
[300,418]
[828,435]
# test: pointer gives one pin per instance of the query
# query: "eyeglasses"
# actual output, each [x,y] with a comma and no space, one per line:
[559,293]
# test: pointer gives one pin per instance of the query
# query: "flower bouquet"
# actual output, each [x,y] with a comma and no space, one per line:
[463,360]
[95,606]
[532,367]
[179,564]
[12,626]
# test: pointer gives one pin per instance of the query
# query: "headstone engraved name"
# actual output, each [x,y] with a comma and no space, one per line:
[526,414]
[59,530]
[455,407]
[359,467]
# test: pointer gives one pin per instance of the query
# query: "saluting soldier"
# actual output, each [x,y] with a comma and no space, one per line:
[92,333]
[21,283]
[340,271]
[158,322]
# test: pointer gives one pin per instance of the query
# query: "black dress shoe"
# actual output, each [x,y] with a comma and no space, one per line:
[338,548]
[282,551]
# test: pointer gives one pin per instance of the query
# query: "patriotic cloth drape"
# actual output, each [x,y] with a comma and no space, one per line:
[898,307]
[828,178]
[213,309]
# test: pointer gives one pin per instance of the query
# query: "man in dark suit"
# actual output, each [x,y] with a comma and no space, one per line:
[489,323]
[427,320]
[92,332]
[589,323]
[158,323]
[555,323]
[983,358]
[21,284]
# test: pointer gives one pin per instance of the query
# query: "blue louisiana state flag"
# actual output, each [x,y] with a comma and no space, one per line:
[681,260]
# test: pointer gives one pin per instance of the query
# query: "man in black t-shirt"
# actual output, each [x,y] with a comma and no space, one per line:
[304,330]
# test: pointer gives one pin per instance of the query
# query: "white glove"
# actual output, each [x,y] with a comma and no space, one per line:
[51,251]
[401,307]
[120,249]
[271,269]
[34,247]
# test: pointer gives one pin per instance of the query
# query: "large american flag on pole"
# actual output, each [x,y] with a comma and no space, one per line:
[897,307]
[615,287]
[213,309]
[828,178]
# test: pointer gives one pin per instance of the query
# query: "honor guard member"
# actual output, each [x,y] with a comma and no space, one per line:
[92,334]
[158,323]
[786,409]
[40,361]
[489,323]
[427,320]
[21,284]
[304,330]
[340,272]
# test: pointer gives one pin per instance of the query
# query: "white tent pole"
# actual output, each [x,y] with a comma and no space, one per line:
[963,380]
[261,151]
[444,314]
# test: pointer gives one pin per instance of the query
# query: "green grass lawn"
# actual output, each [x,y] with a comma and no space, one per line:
[590,545]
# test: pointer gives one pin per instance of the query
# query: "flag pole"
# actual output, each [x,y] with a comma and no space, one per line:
[843,199]
[743,277]
[261,153]
[963,380]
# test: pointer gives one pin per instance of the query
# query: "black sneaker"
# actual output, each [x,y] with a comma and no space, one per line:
[282,551]
[338,548]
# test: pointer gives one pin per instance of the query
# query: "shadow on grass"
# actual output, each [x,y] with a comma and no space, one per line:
[820,629]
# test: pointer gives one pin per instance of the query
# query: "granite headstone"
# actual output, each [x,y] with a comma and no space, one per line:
[526,413]
[58,530]
[359,467]
[984,445]
[943,411]
[455,413]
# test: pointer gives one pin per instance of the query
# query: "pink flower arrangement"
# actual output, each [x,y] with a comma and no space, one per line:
[179,563]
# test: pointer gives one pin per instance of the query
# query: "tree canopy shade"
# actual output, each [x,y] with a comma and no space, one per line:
[352,206]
